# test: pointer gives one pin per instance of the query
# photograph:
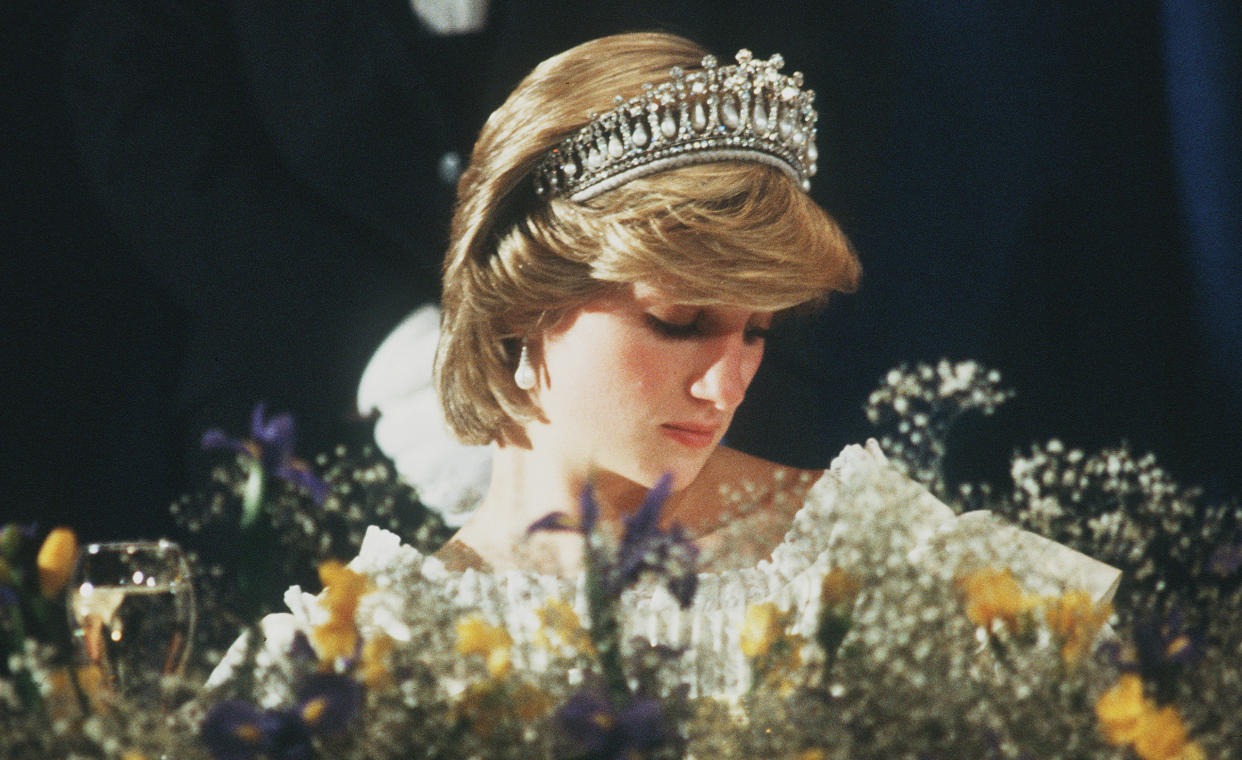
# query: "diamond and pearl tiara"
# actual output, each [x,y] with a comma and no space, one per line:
[744,112]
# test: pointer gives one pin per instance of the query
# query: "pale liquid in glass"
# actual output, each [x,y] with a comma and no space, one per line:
[135,633]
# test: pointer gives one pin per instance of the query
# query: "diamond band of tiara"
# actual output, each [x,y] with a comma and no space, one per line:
[745,112]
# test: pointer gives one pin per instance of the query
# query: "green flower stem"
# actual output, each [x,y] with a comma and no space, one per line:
[605,624]
[258,546]
[27,689]
[255,495]
[257,578]
[831,632]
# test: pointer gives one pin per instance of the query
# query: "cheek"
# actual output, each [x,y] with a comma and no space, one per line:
[599,373]
[645,368]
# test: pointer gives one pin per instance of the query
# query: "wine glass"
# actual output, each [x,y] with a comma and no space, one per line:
[131,610]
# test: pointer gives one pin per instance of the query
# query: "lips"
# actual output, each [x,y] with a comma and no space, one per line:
[691,434]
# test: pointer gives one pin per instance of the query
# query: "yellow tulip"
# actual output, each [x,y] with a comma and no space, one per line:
[994,598]
[839,590]
[763,625]
[1075,619]
[375,652]
[342,588]
[476,636]
[1128,718]
[56,559]
[557,618]
[1161,735]
[1120,710]
[335,639]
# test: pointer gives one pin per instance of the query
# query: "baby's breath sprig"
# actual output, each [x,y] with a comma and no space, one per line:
[915,408]
[1124,509]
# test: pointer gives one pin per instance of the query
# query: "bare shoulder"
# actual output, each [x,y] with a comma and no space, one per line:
[731,468]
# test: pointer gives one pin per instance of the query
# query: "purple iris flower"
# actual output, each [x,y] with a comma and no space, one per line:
[301,650]
[685,555]
[556,521]
[601,732]
[1163,648]
[271,445]
[291,737]
[327,702]
[237,730]
[1164,644]
[588,516]
[8,601]
[644,545]
[642,533]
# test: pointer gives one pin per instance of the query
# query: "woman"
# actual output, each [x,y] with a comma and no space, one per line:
[633,220]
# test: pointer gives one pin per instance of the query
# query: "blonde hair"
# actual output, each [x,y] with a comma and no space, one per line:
[733,232]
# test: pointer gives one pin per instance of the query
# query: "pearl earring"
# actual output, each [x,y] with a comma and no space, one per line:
[524,375]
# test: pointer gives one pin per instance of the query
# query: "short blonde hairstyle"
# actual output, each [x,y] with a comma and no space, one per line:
[732,232]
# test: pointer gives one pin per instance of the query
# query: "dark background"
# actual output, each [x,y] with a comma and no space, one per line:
[211,204]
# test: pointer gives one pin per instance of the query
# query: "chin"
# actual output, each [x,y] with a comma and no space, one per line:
[684,473]
[644,469]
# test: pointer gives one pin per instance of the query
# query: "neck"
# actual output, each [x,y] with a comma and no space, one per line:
[526,487]
[737,509]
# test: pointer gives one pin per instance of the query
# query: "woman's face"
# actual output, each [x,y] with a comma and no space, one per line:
[637,384]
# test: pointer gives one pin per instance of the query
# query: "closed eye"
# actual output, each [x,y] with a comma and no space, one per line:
[696,328]
[678,330]
[755,334]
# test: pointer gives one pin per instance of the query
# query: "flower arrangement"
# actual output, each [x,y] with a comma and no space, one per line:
[34,571]
[953,658]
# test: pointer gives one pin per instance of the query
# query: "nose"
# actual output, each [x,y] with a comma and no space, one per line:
[731,366]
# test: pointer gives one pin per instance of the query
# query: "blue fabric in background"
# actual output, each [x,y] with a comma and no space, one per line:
[1203,51]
